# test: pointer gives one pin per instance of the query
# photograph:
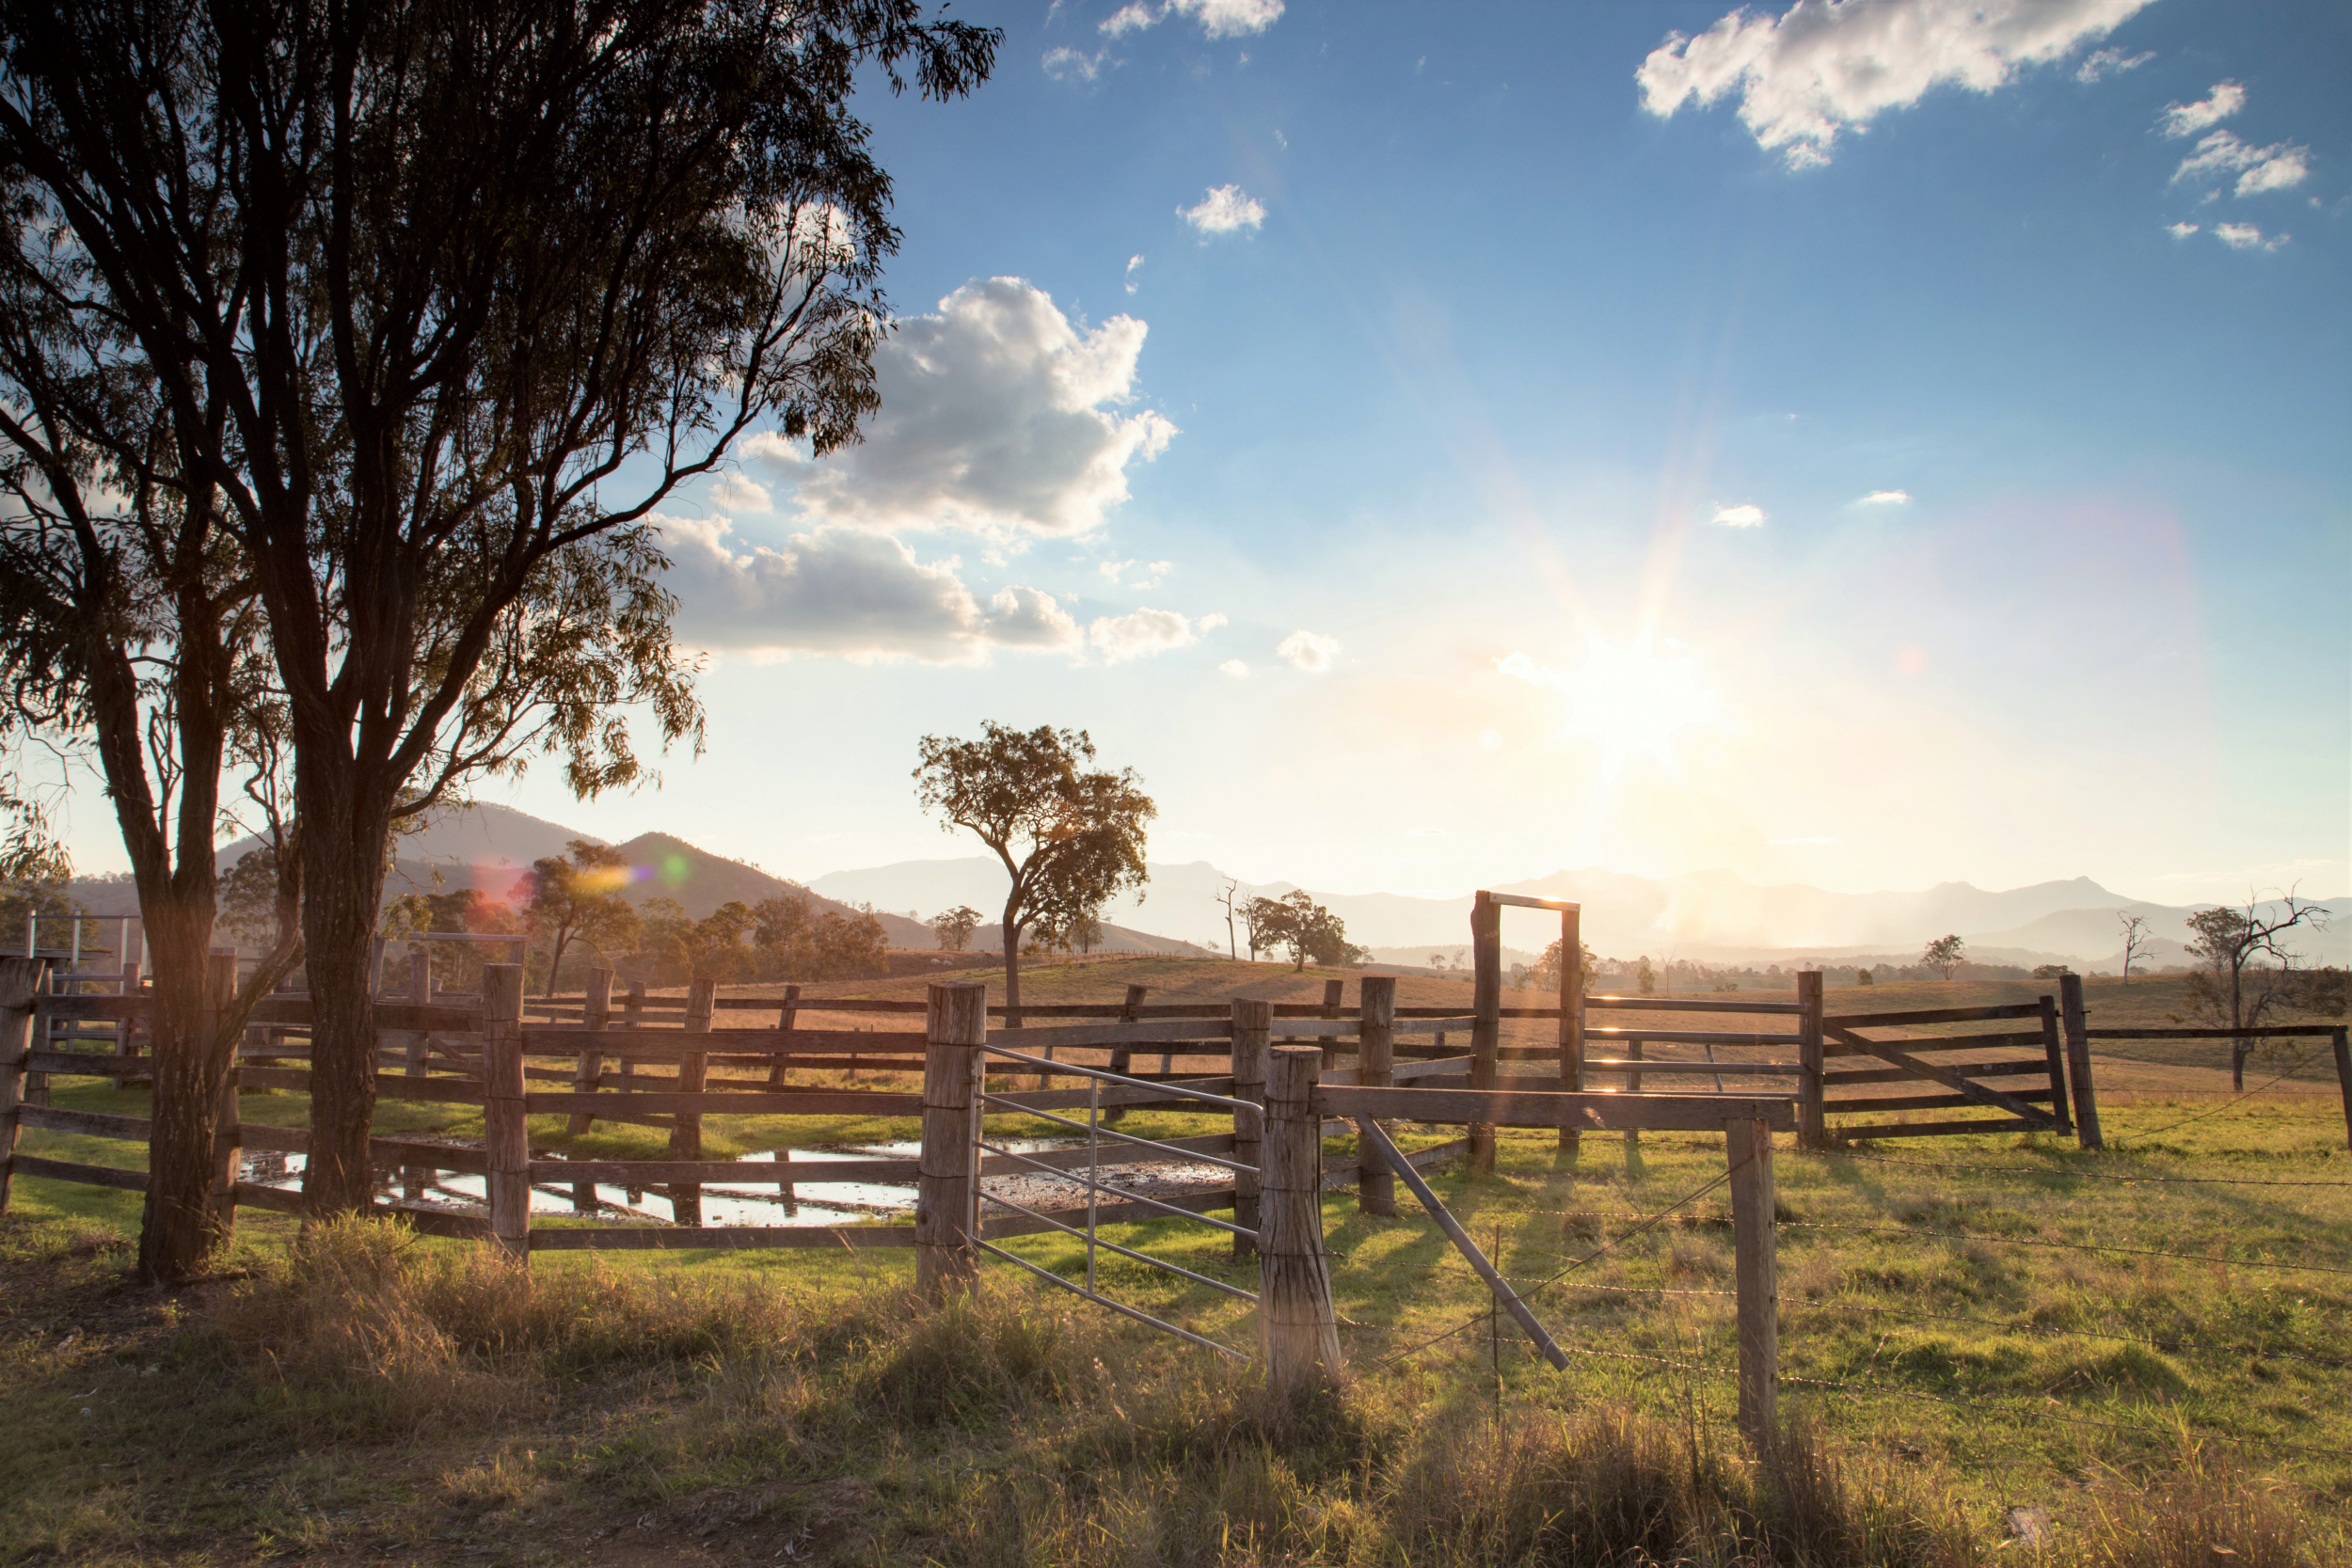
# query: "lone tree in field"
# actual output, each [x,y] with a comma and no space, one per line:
[2235,944]
[954,928]
[1946,953]
[429,308]
[1070,839]
[2135,939]
[1312,933]
[576,896]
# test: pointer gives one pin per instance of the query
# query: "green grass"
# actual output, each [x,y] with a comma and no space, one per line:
[727,1406]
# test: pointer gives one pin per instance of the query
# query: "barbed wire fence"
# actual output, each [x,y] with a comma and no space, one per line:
[2174,1429]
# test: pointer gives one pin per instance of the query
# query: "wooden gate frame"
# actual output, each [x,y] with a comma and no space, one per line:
[1909,1059]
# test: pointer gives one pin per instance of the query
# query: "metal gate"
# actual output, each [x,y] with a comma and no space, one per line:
[1089,1175]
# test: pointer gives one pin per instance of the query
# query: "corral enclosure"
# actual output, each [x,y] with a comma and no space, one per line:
[2009,1308]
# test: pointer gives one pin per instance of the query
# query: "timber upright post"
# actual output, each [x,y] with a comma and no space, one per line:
[787,1016]
[1571,1015]
[595,1012]
[1487,1020]
[2087,1132]
[2341,1042]
[18,979]
[505,1127]
[1748,1149]
[955,1028]
[1376,1058]
[220,987]
[2054,1053]
[1812,1100]
[1123,1052]
[1298,1330]
[416,1181]
[1253,1025]
[685,1132]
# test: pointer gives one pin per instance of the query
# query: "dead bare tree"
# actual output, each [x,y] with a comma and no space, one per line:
[2135,939]
[1232,947]
[2234,943]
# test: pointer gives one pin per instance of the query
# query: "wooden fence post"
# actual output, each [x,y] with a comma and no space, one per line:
[2343,1047]
[955,1027]
[2054,1051]
[787,1016]
[2078,1062]
[1297,1329]
[220,987]
[19,979]
[1812,1099]
[633,1017]
[595,1012]
[686,1131]
[1748,1147]
[1253,1025]
[1571,1015]
[1334,992]
[416,1181]
[1123,1054]
[505,1127]
[1487,1020]
[1376,1024]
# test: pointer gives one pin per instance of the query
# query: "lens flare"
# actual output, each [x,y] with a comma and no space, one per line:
[1629,700]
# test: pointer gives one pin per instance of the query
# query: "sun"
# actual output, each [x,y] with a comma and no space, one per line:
[1631,701]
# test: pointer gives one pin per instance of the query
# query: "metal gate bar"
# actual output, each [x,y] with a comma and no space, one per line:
[1091,1182]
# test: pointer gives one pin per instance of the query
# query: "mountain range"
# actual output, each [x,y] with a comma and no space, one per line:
[1709,916]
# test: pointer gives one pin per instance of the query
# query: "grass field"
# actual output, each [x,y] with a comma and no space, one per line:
[2134,1356]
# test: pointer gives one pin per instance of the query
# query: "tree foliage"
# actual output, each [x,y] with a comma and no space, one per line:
[2245,967]
[954,928]
[1946,953]
[577,897]
[1312,933]
[430,306]
[1070,839]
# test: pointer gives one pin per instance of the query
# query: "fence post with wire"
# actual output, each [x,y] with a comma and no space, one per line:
[1297,1324]
[945,1199]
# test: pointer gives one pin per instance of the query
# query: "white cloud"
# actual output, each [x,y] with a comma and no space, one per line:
[1740,517]
[1069,65]
[2109,62]
[1218,18]
[1225,209]
[1880,497]
[1140,634]
[1209,623]
[2245,236]
[736,494]
[1133,265]
[1112,568]
[991,421]
[1234,668]
[1310,651]
[843,591]
[2220,154]
[2186,119]
[1128,19]
[2180,230]
[1821,67]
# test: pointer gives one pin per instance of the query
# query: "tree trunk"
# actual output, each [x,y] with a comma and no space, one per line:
[1012,969]
[343,845]
[180,1226]
[2237,1021]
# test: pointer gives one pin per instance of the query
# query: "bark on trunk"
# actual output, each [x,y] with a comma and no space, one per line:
[1012,970]
[343,844]
[181,1225]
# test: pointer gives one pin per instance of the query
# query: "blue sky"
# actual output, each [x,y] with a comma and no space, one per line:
[1477,482]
